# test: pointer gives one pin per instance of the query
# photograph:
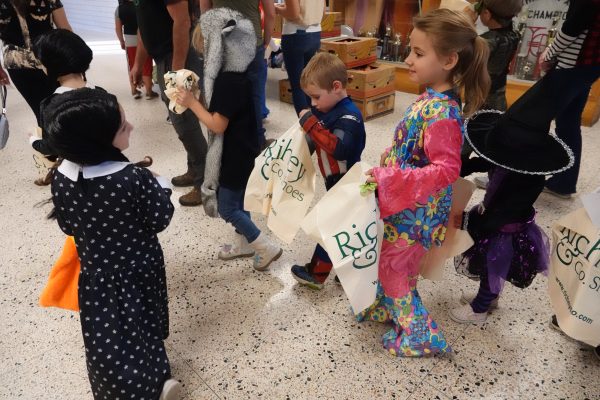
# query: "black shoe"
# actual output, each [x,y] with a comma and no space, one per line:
[597,352]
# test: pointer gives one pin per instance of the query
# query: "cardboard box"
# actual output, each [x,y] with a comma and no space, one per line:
[331,25]
[371,80]
[376,106]
[353,51]
[285,91]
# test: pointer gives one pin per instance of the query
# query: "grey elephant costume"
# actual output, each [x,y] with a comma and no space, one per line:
[229,46]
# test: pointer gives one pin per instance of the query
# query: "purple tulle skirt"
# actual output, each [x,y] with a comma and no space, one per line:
[516,253]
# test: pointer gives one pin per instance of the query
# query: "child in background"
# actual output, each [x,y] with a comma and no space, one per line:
[66,58]
[336,132]
[231,114]
[114,210]
[502,40]
[414,181]
[126,28]
[509,245]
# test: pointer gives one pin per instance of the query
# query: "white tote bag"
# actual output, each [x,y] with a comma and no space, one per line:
[347,225]
[282,183]
[574,278]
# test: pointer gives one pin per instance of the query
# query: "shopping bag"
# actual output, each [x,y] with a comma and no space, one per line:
[574,278]
[456,240]
[282,183]
[42,164]
[62,288]
[348,226]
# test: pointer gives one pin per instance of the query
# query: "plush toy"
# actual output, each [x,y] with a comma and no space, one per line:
[185,79]
[229,46]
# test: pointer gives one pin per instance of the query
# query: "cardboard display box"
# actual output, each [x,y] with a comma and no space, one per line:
[376,106]
[353,51]
[371,80]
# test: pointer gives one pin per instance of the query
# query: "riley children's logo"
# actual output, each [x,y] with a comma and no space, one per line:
[282,163]
[360,244]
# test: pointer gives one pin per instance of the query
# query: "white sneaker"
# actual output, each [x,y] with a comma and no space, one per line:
[465,315]
[240,248]
[265,252]
[468,299]
[171,390]
[481,182]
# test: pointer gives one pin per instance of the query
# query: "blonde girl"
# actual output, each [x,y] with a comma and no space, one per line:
[417,171]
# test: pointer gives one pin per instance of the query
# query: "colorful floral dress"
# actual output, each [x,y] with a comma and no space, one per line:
[415,194]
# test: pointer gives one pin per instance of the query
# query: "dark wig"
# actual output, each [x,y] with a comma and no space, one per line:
[62,52]
[81,125]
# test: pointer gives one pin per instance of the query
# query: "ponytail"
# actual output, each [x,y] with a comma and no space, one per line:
[475,80]
[454,32]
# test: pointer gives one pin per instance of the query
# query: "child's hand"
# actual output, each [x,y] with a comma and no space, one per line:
[371,177]
[184,98]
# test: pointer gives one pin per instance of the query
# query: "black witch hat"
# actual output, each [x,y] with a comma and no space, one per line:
[509,144]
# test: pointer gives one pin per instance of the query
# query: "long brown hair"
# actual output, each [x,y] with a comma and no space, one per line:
[452,31]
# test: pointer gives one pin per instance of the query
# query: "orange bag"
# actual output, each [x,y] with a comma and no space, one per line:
[61,289]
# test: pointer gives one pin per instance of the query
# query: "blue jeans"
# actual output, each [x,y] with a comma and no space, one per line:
[561,94]
[257,73]
[231,209]
[298,49]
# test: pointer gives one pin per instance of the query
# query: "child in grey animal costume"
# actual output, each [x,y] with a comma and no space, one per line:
[229,43]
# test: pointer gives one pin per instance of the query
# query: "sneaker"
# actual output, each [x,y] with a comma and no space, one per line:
[304,277]
[240,248]
[554,324]
[563,196]
[137,95]
[468,299]
[184,180]
[168,121]
[265,252]
[597,352]
[465,315]
[481,182]
[151,95]
[171,390]
[191,199]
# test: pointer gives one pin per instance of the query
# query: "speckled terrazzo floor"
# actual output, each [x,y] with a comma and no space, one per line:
[240,334]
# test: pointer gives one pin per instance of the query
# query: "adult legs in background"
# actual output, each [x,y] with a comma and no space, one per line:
[34,85]
[298,49]
[257,74]
[568,128]
[188,129]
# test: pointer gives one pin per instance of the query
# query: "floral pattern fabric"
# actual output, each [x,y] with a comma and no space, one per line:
[426,221]
[414,332]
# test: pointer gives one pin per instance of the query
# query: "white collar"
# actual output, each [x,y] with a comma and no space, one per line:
[65,89]
[71,170]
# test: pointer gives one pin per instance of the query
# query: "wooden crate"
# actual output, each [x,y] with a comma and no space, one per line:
[371,80]
[285,91]
[331,25]
[353,51]
[376,106]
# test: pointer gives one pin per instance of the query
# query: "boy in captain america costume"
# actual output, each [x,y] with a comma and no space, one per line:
[336,132]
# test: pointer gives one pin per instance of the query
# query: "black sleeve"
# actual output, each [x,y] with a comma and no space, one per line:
[152,202]
[580,16]
[472,165]
[228,97]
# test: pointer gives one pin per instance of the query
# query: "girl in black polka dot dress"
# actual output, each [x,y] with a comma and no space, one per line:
[114,210]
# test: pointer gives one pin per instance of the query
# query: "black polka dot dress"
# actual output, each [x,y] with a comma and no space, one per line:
[122,285]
